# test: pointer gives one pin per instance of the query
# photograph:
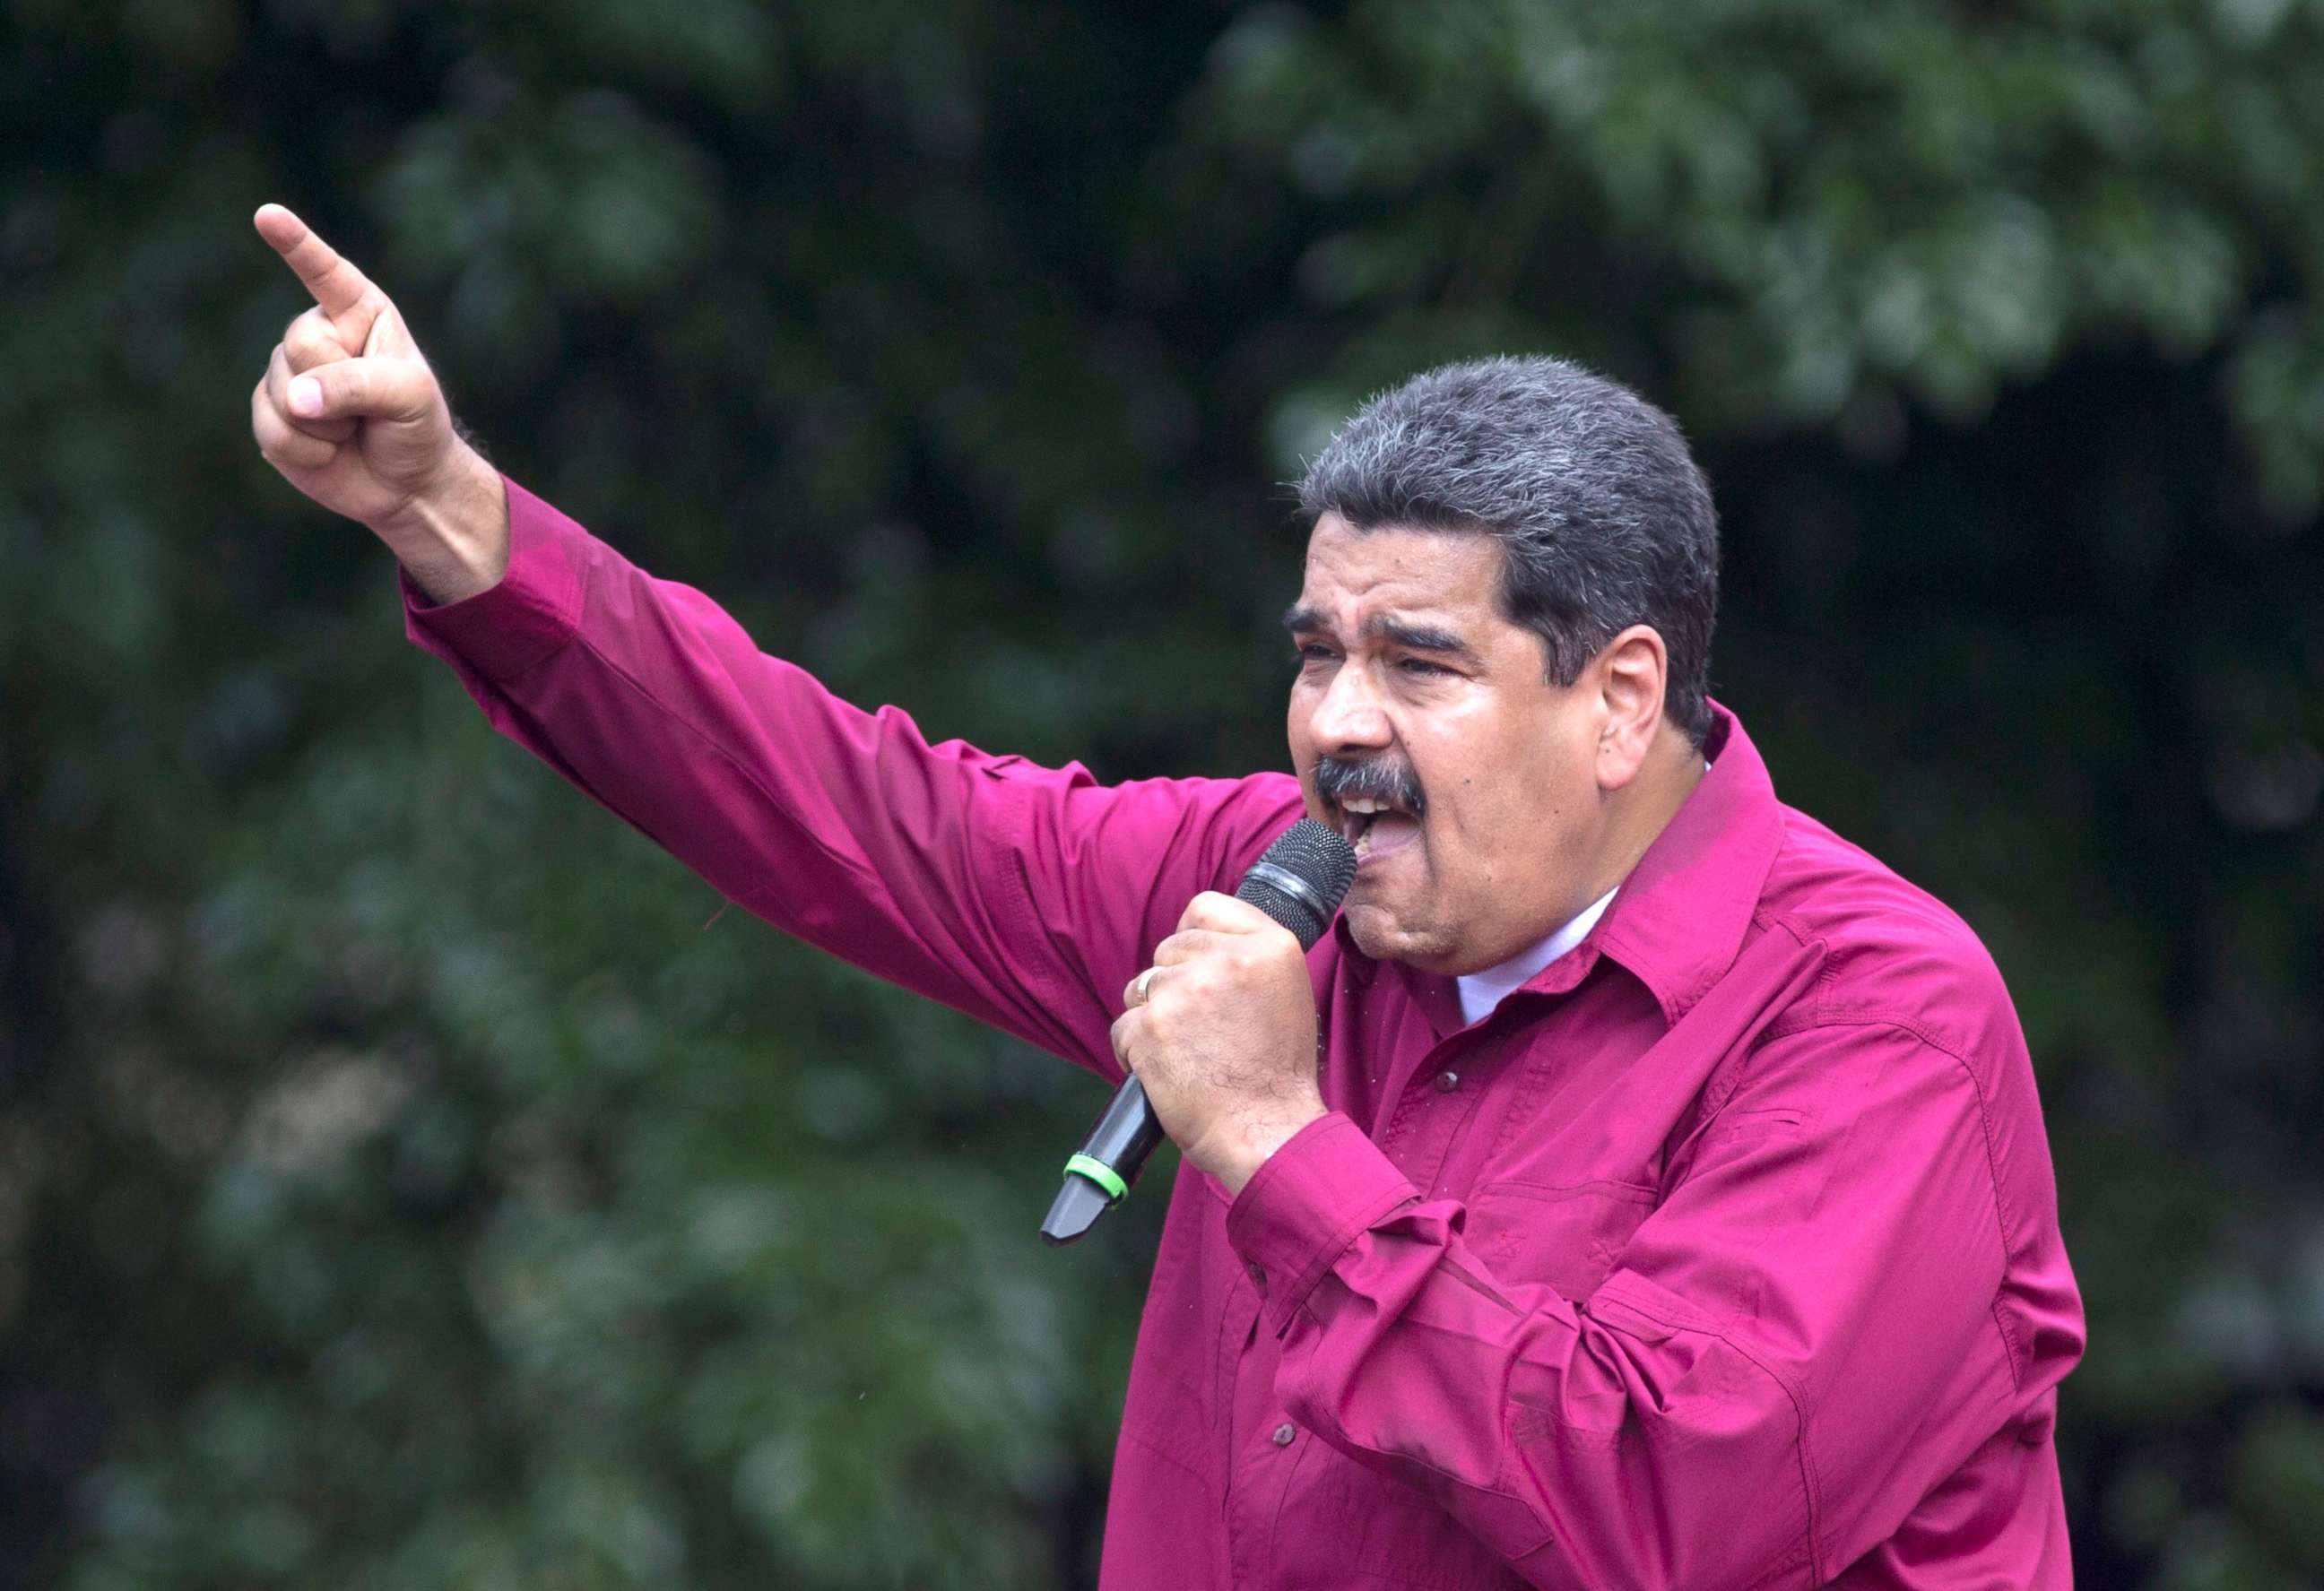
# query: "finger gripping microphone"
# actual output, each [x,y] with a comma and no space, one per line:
[1299,882]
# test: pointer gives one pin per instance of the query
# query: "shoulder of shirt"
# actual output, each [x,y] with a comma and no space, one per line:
[1232,819]
[1892,953]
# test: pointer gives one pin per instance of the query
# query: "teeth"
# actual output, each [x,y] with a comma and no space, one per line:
[1364,842]
[1363,803]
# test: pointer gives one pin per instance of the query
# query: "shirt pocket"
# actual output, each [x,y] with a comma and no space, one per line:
[1566,1238]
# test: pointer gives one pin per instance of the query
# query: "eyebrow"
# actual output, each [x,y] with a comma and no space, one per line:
[1305,618]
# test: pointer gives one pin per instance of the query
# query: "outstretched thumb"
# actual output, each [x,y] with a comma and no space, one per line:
[364,389]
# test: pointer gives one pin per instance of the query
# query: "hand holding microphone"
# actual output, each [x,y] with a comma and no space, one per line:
[1220,1035]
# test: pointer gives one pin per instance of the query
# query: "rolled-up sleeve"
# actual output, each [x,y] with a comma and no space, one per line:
[1026,897]
[1796,1344]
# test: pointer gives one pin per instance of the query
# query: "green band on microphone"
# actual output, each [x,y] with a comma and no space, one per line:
[1097,1172]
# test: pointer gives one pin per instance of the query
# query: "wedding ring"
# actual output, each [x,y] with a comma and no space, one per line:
[1139,986]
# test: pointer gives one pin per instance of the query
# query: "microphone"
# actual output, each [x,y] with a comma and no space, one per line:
[1299,882]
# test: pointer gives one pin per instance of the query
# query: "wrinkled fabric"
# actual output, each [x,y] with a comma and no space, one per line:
[1724,1252]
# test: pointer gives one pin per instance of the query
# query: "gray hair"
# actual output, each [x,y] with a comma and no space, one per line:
[1603,518]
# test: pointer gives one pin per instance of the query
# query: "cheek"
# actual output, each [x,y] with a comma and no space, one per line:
[1481,814]
[1299,718]
[1303,755]
[1506,808]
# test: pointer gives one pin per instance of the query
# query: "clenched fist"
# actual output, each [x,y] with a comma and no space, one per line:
[1221,1031]
[351,415]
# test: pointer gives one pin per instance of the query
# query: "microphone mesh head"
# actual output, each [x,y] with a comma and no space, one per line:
[1318,855]
[1302,879]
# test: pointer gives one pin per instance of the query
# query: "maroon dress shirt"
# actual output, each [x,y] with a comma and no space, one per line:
[1724,1252]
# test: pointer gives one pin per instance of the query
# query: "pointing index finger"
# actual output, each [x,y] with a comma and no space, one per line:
[337,286]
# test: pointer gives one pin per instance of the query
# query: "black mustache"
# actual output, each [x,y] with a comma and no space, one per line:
[1380,779]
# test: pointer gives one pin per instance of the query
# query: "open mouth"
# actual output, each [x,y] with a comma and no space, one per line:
[1376,827]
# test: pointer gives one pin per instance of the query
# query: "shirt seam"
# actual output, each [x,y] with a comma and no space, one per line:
[563,629]
[569,629]
[1502,1489]
[1828,1016]
[518,676]
[1728,1075]
[851,864]
[1811,1480]
[1831,1015]
[1454,1136]
[1017,903]
[1327,1254]
[1163,1453]
[1766,917]
[1282,1500]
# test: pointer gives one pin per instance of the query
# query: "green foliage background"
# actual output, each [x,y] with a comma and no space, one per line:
[411,1179]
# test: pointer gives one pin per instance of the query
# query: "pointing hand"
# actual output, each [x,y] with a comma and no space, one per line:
[350,414]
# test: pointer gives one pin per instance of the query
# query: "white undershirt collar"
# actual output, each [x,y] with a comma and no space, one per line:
[1481,991]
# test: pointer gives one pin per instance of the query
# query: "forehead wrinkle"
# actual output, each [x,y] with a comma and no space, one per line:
[1418,574]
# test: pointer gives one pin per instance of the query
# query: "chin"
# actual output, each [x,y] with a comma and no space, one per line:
[1379,935]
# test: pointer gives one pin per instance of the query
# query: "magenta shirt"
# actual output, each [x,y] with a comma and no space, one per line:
[1724,1252]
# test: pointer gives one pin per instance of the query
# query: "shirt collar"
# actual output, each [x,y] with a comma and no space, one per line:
[1481,992]
[1681,916]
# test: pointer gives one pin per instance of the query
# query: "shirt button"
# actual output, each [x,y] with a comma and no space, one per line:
[1258,1276]
[1447,1080]
[1282,1434]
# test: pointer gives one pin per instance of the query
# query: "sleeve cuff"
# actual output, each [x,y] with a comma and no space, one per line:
[533,612]
[1302,1208]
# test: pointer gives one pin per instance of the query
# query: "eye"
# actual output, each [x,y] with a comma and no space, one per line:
[1314,652]
[1421,667]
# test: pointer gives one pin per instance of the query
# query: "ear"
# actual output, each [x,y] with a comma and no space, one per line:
[1630,674]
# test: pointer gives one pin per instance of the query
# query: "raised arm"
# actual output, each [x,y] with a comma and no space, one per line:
[1026,897]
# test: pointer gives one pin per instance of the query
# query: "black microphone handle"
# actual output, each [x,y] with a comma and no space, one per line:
[1127,1133]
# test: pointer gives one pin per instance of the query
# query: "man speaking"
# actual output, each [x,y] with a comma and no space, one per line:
[1639,1185]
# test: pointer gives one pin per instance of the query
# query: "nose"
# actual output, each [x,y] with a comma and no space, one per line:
[1350,718]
